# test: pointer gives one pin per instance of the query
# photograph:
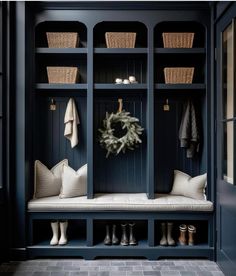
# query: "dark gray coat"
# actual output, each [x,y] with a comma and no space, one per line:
[188,131]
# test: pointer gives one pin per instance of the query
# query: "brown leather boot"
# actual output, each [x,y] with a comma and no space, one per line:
[183,234]
[191,234]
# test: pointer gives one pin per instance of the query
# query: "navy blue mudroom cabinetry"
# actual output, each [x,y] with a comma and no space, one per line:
[149,169]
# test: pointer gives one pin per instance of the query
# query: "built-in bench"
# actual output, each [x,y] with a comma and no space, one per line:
[118,207]
[120,202]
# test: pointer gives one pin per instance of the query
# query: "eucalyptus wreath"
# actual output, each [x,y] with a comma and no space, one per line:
[129,140]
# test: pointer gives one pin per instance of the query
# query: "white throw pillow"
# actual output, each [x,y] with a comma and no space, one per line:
[74,183]
[188,186]
[47,182]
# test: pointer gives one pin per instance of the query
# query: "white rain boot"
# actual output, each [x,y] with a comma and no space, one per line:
[54,226]
[63,228]
[163,240]
[170,240]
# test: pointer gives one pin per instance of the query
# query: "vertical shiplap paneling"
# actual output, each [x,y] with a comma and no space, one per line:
[50,143]
[168,153]
[125,172]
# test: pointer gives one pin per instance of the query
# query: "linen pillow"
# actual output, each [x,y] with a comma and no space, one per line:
[74,183]
[188,186]
[47,182]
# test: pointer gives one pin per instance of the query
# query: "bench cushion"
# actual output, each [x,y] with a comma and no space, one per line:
[120,202]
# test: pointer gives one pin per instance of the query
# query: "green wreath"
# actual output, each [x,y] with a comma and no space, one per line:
[129,140]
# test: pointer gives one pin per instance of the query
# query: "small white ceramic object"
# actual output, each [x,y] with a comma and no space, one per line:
[118,81]
[132,79]
[126,81]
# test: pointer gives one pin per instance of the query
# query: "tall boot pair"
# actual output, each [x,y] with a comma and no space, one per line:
[111,240]
[166,230]
[124,237]
[55,231]
[183,234]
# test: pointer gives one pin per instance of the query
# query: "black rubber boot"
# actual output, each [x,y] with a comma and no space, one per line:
[124,239]
[132,240]
[115,240]
[107,240]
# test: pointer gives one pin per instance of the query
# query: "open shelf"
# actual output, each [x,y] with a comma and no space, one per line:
[120,50]
[44,50]
[111,86]
[181,86]
[120,26]
[63,86]
[71,244]
[60,26]
[180,50]
[180,26]
[141,244]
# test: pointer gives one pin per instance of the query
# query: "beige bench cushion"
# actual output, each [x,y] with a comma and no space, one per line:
[120,202]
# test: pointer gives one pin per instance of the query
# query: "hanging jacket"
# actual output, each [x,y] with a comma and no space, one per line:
[188,131]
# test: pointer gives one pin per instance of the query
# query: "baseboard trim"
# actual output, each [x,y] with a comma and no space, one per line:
[18,254]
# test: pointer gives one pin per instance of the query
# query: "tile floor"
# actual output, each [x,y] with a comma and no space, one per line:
[114,267]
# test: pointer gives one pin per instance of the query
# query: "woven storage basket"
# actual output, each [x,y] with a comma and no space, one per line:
[62,40]
[120,40]
[178,40]
[179,74]
[62,74]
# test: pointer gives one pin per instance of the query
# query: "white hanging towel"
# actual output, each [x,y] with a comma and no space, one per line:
[71,121]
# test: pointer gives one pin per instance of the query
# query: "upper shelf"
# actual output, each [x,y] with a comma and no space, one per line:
[180,50]
[120,50]
[182,86]
[61,50]
[110,86]
[61,86]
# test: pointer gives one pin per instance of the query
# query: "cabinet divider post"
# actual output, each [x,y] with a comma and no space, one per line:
[150,116]
[90,112]
[151,232]
[89,231]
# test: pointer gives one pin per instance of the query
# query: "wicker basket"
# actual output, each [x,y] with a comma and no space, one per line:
[178,40]
[179,74]
[62,74]
[62,40]
[120,40]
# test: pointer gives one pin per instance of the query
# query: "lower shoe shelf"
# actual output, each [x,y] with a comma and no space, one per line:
[151,253]
[78,248]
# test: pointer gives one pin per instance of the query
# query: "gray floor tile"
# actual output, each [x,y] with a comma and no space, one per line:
[217,273]
[167,263]
[134,273]
[118,263]
[188,273]
[71,268]
[120,273]
[99,273]
[149,267]
[204,273]
[210,268]
[138,268]
[60,273]
[79,273]
[177,267]
[41,273]
[89,268]
[69,263]
[170,273]
[133,263]
[152,273]
[125,268]
[54,268]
